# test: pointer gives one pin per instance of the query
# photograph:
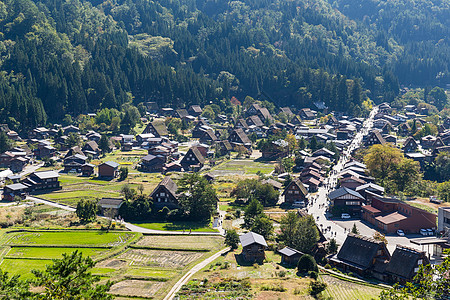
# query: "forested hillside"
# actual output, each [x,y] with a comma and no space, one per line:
[63,57]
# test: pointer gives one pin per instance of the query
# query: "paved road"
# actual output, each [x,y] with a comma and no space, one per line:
[319,203]
[51,203]
[192,271]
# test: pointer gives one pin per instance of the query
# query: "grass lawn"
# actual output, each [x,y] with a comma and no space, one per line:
[23,267]
[50,253]
[177,226]
[82,238]
[182,242]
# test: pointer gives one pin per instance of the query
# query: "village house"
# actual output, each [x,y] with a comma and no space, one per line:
[91,148]
[109,169]
[223,147]
[10,191]
[181,113]
[404,264]
[110,206]
[18,163]
[43,180]
[254,121]
[370,187]
[346,200]
[152,163]
[157,128]
[351,182]
[290,256]
[390,215]
[195,110]
[427,141]
[152,107]
[239,138]
[241,123]
[73,163]
[193,160]
[307,114]
[87,170]
[208,137]
[199,129]
[165,194]
[287,111]
[374,138]
[295,192]
[362,255]
[253,247]
[296,121]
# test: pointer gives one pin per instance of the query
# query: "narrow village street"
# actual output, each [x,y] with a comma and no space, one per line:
[339,228]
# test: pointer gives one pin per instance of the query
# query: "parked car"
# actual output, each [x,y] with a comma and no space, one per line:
[400,232]
[423,232]
[345,216]
[430,231]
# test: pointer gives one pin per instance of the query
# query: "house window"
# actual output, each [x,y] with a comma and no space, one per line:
[296,192]
[159,199]
[419,262]
[349,203]
[162,194]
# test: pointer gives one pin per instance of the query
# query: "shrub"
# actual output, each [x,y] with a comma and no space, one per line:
[316,287]
[232,239]
[282,273]
[274,287]
[327,266]
[307,263]
[313,274]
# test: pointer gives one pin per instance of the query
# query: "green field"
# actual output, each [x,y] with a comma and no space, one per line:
[243,167]
[50,253]
[177,226]
[80,238]
[23,267]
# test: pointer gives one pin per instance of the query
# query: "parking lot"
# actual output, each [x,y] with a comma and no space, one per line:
[392,239]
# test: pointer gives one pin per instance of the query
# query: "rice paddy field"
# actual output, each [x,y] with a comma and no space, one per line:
[142,267]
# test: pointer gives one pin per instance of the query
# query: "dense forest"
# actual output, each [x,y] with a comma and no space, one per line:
[71,56]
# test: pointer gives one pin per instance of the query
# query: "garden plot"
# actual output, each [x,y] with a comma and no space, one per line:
[162,259]
[181,242]
[136,288]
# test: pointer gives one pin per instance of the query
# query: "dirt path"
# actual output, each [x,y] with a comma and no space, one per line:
[191,272]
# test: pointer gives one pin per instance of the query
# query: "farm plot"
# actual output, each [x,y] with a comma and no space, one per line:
[242,167]
[161,259]
[66,238]
[181,242]
[136,288]
[23,267]
[345,290]
[50,253]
